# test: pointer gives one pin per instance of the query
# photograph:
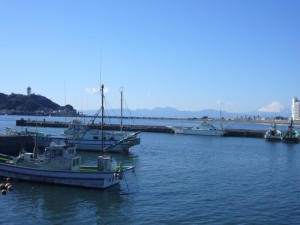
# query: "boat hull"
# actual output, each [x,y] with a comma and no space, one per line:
[204,129]
[98,179]
[112,146]
[274,139]
[291,140]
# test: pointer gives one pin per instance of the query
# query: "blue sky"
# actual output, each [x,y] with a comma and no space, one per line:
[232,55]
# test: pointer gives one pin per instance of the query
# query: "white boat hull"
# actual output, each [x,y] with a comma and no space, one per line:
[100,179]
[194,131]
[94,145]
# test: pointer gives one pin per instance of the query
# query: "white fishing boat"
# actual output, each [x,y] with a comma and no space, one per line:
[273,134]
[205,128]
[89,139]
[60,164]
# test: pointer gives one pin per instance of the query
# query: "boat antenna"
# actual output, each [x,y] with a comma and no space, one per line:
[100,68]
[35,149]
[102,121]
[121,90]
[65,102]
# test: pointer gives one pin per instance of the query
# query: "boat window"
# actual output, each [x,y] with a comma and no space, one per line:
[71,151]
[57,152]
[96,138]
[74,162]
[47,152]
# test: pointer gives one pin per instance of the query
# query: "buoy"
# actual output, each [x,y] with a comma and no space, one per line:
[6,185]
[2,186]
[3,192]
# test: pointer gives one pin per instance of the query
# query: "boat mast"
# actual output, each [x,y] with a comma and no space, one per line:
[121,110]
[102,121]
[35,149]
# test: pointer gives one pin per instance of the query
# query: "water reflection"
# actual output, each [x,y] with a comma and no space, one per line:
[61,204]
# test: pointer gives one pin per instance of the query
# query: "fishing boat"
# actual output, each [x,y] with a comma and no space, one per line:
[273,134]
[205,128]
[60,164]
[291,135]
[89,139]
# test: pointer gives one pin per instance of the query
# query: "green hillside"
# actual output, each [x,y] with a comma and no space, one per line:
[18,104]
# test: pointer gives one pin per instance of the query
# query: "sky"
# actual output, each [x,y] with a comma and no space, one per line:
[230,55]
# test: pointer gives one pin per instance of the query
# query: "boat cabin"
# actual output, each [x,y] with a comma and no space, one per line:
[55,158]
[60,152]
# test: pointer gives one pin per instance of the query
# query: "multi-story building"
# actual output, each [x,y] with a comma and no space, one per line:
[296,109]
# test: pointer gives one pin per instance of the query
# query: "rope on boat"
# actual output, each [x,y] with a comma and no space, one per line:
[128,192]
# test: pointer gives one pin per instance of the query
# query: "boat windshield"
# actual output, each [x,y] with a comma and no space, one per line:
[53,152]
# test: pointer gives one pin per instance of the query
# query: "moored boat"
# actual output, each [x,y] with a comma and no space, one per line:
[273,134]
[205,128]
[87,139]
[291,135]
[62,165]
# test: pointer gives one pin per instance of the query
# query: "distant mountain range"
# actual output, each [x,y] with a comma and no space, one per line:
[169,112]
[32,104]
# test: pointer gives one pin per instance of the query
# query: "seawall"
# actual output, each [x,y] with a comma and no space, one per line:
[142,128]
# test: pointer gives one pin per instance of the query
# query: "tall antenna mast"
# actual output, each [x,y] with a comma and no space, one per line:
[102,121]
[121,90]
[65,101]
[100,69]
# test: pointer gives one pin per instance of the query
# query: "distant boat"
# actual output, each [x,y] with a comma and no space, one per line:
[205,128]
[273,134]
[292,135]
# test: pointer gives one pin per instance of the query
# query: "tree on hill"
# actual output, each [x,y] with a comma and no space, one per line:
[30,104]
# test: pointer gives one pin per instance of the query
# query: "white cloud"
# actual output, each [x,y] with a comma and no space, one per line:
[272,107]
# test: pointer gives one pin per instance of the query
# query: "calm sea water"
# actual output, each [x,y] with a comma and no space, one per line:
[179,180]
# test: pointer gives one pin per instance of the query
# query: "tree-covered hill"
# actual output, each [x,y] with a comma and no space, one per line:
[31,105]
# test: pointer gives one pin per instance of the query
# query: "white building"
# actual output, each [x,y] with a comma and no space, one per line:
[296,109]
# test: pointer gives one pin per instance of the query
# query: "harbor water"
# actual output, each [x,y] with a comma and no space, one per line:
[179,179]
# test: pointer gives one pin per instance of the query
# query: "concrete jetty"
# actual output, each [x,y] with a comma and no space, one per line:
[142,128]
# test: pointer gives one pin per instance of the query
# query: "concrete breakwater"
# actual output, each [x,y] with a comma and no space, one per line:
[142,128]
